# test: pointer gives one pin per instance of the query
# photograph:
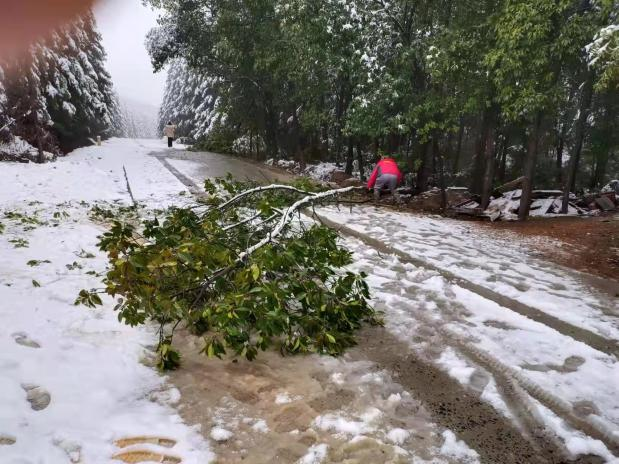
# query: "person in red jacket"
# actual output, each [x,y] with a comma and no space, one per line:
[386,175]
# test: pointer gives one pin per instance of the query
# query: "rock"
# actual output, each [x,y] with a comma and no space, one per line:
[352,182]
[37,396]
[7,440]
[339,176]
[23,339]
[605,203]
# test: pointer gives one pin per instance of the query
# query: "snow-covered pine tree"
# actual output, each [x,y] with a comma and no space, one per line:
[60,94]
[189,102]
[4,118]
[25,105]
[78,89]
[140,119]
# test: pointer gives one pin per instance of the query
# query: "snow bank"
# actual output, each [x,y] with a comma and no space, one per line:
[20,150]
[321,172]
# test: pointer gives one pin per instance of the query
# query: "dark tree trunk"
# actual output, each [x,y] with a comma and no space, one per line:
[599,171]
[270,131]
[602,156]
[324,142]
[423,175]
[559,159]
[349,157]
[360,162]
[489,156]
[456,162]
[440,167]
[503,158]
[340,109]
[529,169]
[477,173]
[579,134]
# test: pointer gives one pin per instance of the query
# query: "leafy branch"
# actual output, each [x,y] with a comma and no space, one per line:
[246,270]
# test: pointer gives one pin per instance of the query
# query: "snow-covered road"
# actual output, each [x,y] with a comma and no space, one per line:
[423,287]
[498,319]
[73,381]
[531,340]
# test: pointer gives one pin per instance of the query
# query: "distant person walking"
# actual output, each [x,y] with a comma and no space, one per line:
[168,131]
[386,175]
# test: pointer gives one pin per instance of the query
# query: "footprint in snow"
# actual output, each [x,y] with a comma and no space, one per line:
[37,396]
[7,440]
[138,455]
[71,448]
[22,338]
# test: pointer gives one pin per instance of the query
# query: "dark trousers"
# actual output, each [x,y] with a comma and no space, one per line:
[170,142]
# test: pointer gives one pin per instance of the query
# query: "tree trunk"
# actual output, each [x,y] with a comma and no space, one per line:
[478,160]
[349,157]
[440,166]
[360,162]
[579,133]
[423,174]
[559,159]
[40,150]
[340,108]
[456,162]
[270,131]
[599,170]
[603,155]
[503,158]
[324,142]
[529,169]
[489,156]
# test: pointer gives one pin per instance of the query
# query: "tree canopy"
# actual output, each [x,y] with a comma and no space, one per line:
[472,83]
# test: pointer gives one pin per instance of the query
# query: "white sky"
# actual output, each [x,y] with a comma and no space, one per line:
[124,24]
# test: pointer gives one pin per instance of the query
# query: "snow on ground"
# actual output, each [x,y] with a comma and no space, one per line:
[498,265]
[73,381]
[321,172]
[18,148]
[94,174]
[425,310]
[428,312]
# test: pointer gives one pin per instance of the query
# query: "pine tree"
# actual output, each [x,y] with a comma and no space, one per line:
[189,102]
[60,94]
[26,105]
[4,117]
[79,90]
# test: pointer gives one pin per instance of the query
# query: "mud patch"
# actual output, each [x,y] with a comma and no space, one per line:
[280,409]
[499,325]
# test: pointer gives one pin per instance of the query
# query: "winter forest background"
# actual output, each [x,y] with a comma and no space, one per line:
[59,97]
[470,93]
[473,93]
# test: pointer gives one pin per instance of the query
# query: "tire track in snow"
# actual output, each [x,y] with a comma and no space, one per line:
[508,378]
[511,381]
[595,341]
[193,188]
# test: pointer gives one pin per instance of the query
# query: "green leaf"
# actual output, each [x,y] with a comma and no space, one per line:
[255,271]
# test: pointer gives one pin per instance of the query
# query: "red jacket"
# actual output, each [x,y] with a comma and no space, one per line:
[384,166]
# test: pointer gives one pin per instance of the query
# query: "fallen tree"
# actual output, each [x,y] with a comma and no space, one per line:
[245,269]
